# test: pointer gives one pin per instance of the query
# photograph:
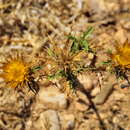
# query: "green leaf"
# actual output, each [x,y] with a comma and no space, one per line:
[85,45]
[87,33]
[58,74]
[74,47]
[36,68]
[50,52]
[81,43]
[72,38]
[106,62]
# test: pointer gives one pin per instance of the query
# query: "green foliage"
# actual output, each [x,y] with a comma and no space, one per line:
[36,68]
[81,43]
[108,62]
[50,52]
[59,73]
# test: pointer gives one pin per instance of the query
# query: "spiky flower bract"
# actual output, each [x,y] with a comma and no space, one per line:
[17,73]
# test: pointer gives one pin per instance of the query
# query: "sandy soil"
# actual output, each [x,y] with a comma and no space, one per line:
[26,26]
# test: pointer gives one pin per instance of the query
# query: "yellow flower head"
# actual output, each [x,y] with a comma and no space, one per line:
[122,55]
[16,72]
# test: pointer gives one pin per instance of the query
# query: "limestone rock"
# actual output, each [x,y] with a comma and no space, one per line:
[52,98]
[68,121]
[48,120]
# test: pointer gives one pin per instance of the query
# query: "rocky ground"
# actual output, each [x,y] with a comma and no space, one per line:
[26,25]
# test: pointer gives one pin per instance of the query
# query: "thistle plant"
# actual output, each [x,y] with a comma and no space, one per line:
[122,55]
[18,73]
[67,60]
[119,61]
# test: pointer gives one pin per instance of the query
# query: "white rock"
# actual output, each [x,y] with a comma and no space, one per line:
[116,120]
[69,121]
[97,6]
[104,94]
[80,106]
[52,98]
[48,120]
